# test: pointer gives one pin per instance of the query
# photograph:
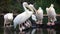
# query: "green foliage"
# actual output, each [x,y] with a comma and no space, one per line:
[15,6]
[47,3]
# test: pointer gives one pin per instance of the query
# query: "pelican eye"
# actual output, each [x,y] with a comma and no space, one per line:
[28,8]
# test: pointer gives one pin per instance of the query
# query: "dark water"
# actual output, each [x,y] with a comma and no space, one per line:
[32,31]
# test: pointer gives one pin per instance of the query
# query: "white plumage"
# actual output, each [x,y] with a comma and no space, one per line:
[8,18]
[23,16]
[51,13]
[34,17]
[39,14]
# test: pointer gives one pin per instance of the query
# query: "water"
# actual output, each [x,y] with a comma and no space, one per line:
[32,31]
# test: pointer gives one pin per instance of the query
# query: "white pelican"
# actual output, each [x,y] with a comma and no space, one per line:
[8,18]
[51,15]
[23,16]
[39,14]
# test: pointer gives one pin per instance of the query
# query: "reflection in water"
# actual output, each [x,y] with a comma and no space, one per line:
[23,32]
[8,30]
[33,31]
[51,31]
[39,31]
[14,32]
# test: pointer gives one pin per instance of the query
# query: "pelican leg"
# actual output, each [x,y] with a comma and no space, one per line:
[40,21]
[37,22]
[29,23]
[23,27]
[20,28]
[49,23]
[22,32]
[4,22]
[48,30]
[52,22]
[26,24]
[10,23]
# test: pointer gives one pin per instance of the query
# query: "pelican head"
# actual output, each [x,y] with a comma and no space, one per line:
[25,5]
[52,5]
[32,7]
[40,8]
[47,9]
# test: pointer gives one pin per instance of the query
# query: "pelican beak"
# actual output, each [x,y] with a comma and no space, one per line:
[34,8]
[30,8]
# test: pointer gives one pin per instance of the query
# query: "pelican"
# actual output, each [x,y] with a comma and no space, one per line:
[39,14]
[51,15]
[8,18]
[21,18]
